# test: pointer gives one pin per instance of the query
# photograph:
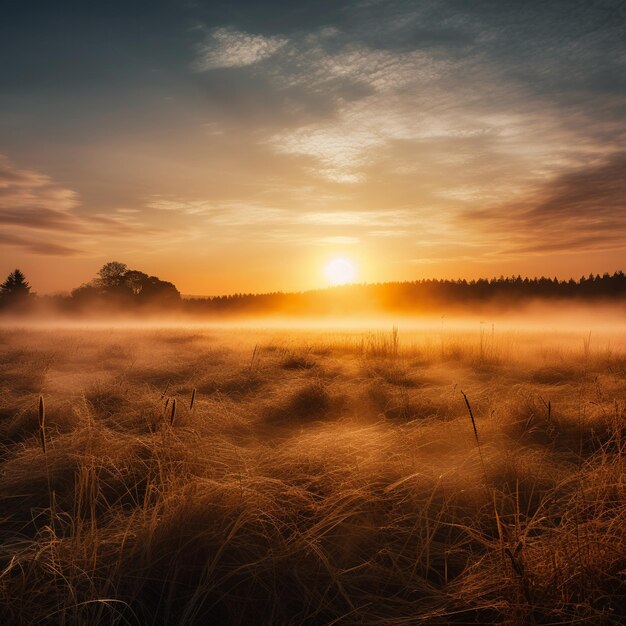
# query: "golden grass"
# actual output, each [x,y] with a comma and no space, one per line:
[259,477]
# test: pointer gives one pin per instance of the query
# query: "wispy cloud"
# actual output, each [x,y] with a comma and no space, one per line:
[34,208]
[377,99]
[26,193]
[227,47]
[358,218]
[581,210]
[48,248]
[182,207]
[338,240]
[253,214]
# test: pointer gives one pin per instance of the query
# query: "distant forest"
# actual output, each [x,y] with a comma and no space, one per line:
[420,296]
[118,289]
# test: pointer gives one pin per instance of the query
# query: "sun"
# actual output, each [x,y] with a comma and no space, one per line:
[340,271]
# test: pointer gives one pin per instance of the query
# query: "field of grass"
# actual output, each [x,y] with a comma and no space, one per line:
[320,477]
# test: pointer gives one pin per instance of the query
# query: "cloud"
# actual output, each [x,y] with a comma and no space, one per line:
[25,192]
[373,100]
[594,197]
[31,205]
[579,211]
[381,97]
[234,214]
[43,217]
[48,248]
[228,222]
[184,207]
[470,88]
[358,218]
[32,200]
[227,47]
[338,240]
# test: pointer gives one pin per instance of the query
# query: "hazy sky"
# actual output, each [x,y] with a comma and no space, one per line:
[239,145]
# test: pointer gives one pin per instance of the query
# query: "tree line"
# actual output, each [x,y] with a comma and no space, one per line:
[118,288]
[419,296]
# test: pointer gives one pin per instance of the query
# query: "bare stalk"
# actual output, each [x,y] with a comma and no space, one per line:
[480,452]
[42,424]
[173,414]
[42,438]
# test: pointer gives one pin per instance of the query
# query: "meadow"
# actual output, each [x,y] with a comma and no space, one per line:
[224,475]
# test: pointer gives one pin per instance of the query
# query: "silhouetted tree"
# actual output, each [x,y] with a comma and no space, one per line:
[119,287]
[150,289]
[111,275]
[15,290]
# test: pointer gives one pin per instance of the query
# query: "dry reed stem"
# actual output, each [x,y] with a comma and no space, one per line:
[480,453]
[173,413]
[42,424]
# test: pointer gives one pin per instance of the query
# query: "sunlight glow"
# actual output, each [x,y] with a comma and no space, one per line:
[340,271]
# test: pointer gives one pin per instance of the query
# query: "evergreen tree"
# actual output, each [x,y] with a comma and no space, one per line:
[15,288]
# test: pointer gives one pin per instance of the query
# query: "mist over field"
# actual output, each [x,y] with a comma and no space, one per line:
[603,319]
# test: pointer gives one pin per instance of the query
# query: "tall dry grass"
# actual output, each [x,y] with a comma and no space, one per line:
[312,478]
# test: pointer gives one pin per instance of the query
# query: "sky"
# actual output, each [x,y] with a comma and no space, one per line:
[239,146]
